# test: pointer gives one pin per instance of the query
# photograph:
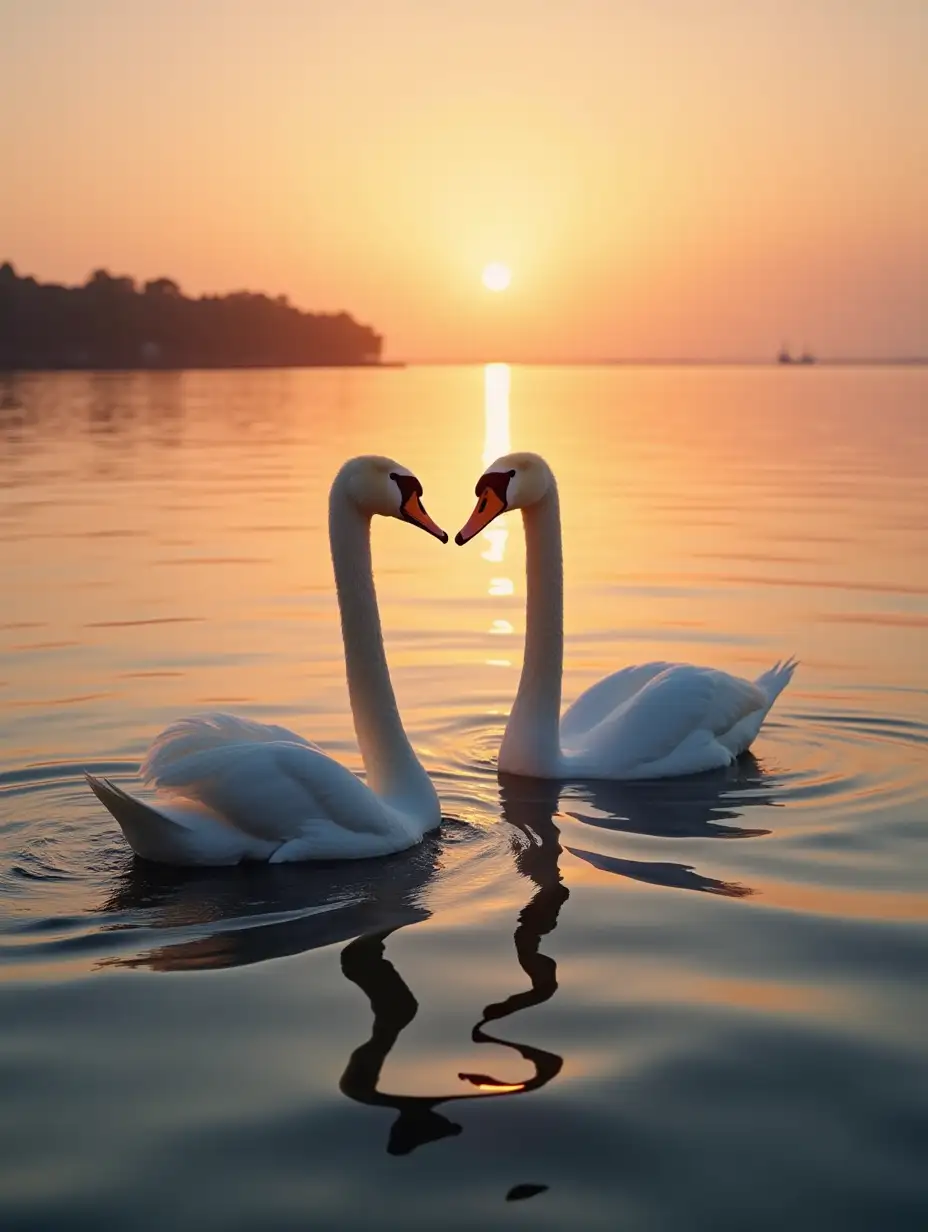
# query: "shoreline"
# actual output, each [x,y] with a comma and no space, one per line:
[225,367]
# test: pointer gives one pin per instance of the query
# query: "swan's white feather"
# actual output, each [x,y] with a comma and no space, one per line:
[176,831]
[662,720]
[602,698]
[775,680]
[269,799]
[200,733]
[276,789]
[772,683]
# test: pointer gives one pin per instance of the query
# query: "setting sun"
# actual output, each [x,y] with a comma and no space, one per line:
[496,276]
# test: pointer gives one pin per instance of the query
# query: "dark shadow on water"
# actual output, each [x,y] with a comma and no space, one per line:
[662,873]
[257,912]
[690,807]
[670,808]
[11,403]
[17,420]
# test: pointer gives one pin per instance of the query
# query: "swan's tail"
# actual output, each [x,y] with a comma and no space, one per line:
[771,683]
[775,681]
[150,833]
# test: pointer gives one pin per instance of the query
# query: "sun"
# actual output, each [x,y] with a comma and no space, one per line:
[496,276]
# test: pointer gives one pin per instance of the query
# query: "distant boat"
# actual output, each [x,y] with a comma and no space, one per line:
[784,357]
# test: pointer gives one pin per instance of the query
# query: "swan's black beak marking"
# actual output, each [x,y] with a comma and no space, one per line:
[491,492]
[412,510]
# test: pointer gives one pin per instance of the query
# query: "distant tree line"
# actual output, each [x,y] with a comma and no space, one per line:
[110,322]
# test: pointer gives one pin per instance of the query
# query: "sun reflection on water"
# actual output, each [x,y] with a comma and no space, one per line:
[496,441]
[496,382]
[496,537]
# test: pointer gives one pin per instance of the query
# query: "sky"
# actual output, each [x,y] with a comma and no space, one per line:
[665,178]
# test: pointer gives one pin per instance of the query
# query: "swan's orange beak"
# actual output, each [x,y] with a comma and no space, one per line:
[489,506]
[413,511]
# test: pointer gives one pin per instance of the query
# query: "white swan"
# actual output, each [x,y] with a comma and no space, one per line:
[233,790]
[658,720]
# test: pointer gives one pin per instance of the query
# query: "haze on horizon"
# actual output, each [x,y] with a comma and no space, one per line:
[664,177]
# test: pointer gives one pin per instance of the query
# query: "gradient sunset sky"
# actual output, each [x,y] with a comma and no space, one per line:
[665,177]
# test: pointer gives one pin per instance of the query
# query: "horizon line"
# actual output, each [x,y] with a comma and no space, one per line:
[671,361]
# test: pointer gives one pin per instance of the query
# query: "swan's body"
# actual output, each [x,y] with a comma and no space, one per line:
[231,789]
[658,720]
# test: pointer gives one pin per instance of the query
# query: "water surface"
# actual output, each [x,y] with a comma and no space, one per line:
[694,1004]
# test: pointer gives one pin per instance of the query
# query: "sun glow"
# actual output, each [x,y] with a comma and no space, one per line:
[496,276]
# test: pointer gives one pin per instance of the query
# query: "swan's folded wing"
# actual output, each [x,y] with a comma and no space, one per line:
[274,790]
[177,831]
[204,733]
[733,699]
[602,698]
[675,705]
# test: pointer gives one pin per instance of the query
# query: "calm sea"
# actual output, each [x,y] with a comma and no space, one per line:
[701,1004]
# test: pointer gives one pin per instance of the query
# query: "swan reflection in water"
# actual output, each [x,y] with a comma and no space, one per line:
[536,850]
[325,906]
[301,908]
[691,807]
[234,917]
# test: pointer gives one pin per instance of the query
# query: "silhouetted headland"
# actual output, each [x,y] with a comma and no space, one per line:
[110,322]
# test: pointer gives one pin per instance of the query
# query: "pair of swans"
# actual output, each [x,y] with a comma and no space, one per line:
[231,790]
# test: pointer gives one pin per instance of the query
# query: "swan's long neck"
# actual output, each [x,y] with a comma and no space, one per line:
[393,770]
[531,744]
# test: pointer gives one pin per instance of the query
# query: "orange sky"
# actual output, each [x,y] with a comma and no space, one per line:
[665,177]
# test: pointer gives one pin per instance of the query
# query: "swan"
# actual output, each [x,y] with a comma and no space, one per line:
[231,789]
[658,720]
